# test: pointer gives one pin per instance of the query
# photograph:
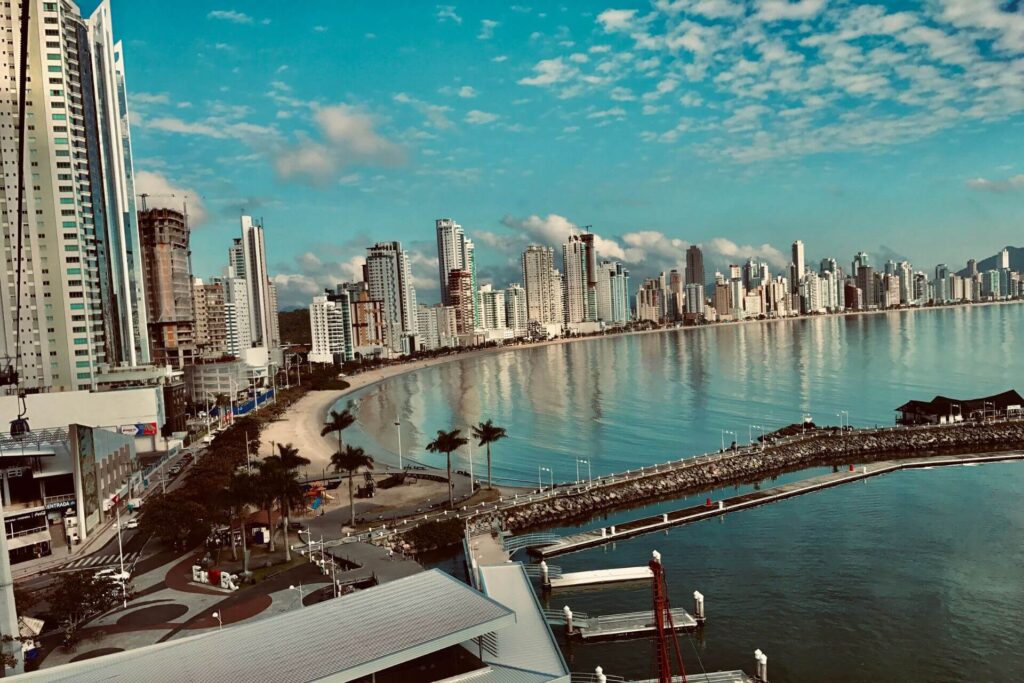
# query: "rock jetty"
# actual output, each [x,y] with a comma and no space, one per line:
[816,448]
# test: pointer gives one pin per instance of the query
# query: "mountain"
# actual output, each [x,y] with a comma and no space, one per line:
[295,326]
[992,262]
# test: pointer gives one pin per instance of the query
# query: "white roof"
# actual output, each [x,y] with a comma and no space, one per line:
[337,640]
[528,644]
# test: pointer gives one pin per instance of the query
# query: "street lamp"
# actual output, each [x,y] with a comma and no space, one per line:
[540,481]
[120,550]
[750,436]
[587,463]
[398,428]
[724,432]
[299,589]
[220,622]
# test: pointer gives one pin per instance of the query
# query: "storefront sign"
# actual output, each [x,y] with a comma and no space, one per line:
[139,429]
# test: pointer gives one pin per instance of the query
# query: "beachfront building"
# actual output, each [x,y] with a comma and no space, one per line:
[460,290]
[693,310]
[210,324]
[580,299]
[237,329]
[389,281]
[330,326]
[164,236]
[515,309]
[492,306]
[695,266]
[543,284]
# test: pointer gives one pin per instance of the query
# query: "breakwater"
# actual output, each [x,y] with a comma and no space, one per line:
[816,448]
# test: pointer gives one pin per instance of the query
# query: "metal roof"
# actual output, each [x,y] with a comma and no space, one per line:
[337,640]
[528,644]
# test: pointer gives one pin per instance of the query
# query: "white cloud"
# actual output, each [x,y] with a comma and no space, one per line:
[477,117]
[499,59]
[447,13]
[467,91]
[617,19]
[150,98]
[621,94]
[347,137]
[550,72]
[165,194]
[579,58]
[554,230]
[436,114]
[1011,184]
[614,112]
[730,250]
[487,27]
[230,15]
[320,29]
[776,10]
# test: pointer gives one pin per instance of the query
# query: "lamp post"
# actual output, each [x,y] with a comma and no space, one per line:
[299,589]
[220,622]
[540,480]
[724,432]
[120,550]
[398,428]
[750,429]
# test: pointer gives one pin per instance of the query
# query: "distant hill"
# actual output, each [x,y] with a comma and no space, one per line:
[992,262]
[295,326]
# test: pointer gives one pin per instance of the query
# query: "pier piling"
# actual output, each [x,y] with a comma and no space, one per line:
[568,619]
[698,606]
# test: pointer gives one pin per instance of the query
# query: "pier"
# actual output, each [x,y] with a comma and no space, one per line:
[593,538]
[593,577]
[610,626]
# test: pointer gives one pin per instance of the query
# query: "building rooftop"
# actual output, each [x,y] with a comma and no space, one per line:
[942,405]
[338,640]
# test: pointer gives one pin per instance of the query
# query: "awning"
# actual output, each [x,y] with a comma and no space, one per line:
[29,539]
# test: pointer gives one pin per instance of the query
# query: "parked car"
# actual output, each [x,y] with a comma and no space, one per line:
[113,574]
[130,524]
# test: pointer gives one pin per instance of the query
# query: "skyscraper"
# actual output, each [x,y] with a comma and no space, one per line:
[543,289]
[695,266]
[798,265]
[460,291]
[455,252]
[82,295]
[164,237]
[515,308]
[330,326]
[210,324]
[577,307]
[261,311]
[390,281]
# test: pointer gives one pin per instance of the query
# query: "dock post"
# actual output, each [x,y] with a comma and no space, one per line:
[664,517]
[698,606]
[568,619]
[613,530]
[599,675]
[544,580]
[721,505]
[760,666]
[604,532]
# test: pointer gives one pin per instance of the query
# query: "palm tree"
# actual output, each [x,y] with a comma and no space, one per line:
[266,493]
[338,422]
[282,473]
[350,460]
[241,492]
[488,433]
[446,442]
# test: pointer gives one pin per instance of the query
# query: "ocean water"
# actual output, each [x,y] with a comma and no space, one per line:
[626,401]
[912,576]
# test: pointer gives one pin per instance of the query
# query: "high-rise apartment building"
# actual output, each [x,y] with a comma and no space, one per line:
[460,291]
[330,326]
[238,330]
[455,252]
[543,285]
[210,324]
[677,297]
[82,295]
[694,309]
[262,315]
[798,265]
[580,300]
[390,282]
[164,235]
[492,307]
[515,309]
[695,266]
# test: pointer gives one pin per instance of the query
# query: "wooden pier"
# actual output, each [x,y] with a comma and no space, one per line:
[597,537]
[600,576]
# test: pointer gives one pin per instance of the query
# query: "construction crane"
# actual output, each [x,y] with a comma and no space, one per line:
[665,640]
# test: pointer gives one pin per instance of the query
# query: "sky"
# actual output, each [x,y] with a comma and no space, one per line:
[896,129]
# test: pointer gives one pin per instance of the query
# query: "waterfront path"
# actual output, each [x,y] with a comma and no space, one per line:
[596,537]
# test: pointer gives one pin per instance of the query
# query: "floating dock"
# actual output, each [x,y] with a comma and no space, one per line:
[696,513]
[599,576]
[625,625]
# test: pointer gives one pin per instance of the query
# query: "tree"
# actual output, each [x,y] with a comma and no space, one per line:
[446,442]
[78,596]
[338,422]
[173,518]
[241,493]
[350,460]
[266,494]
[283,478]
[488,433]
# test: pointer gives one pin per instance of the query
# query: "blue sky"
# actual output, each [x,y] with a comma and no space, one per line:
[894,128]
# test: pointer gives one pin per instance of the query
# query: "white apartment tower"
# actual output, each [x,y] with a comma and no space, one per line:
[543,285]
[492,305]
[262,304]
[330,326]
[390,281]
[82,299]
[455,252]
[515,309]
[575,296]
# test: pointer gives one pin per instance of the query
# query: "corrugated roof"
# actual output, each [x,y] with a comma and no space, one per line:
[343,639]
[528,644]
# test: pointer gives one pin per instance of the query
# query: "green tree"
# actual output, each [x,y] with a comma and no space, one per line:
[174,518]
[241,492]
[283,477]
[487,433]
[76,597]
[350,460]
[338,422]
[447,442]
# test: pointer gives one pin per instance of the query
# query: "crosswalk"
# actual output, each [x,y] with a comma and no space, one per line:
[99,561]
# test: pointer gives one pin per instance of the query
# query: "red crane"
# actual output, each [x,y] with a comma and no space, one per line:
[666,639]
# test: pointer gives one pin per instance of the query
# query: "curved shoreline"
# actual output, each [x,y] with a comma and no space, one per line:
[302,423]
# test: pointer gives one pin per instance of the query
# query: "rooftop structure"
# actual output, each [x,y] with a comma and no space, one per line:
[942,409]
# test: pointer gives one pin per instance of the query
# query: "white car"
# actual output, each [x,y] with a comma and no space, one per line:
[130,524]
[114,574]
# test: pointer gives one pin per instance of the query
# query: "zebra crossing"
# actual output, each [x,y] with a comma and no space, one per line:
[99,561]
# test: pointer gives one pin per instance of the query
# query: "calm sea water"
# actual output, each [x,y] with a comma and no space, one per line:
[914,576]
[626,401]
